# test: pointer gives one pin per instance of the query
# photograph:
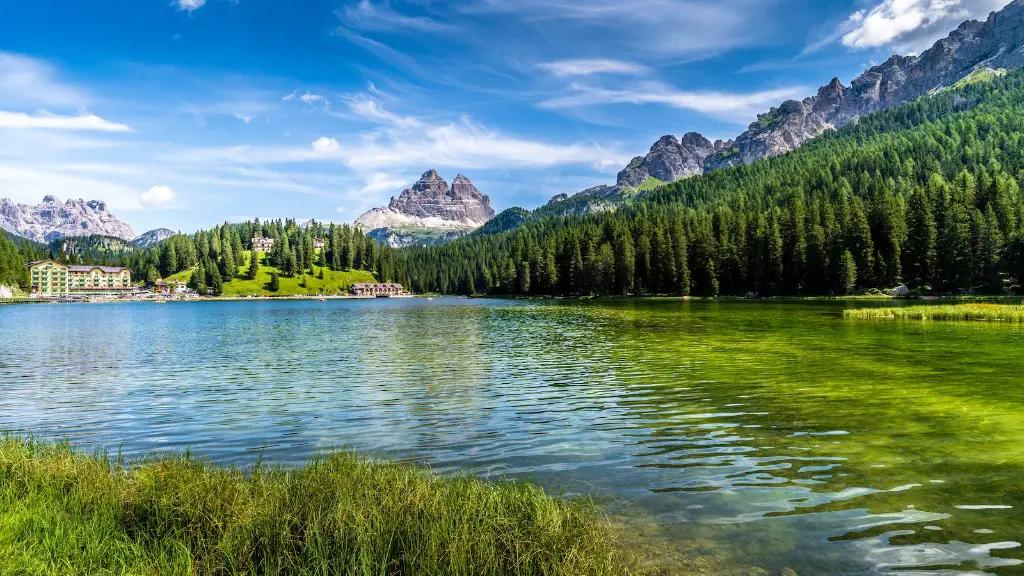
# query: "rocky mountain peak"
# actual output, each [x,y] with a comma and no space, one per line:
[53,219]
[431,203]
[669,160]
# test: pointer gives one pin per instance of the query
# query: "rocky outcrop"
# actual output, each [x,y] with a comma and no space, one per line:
[996,43]
[153,237]
[431,204]
[669,160]
[54,219]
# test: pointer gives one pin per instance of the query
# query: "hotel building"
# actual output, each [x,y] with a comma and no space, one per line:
[51,279]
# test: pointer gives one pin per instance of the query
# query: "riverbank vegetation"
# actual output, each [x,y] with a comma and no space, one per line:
[65,513]
[927,194]
[962,312]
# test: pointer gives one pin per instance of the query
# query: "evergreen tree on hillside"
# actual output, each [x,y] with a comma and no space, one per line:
[254,265]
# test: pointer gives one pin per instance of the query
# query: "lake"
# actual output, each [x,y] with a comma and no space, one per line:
[770,434]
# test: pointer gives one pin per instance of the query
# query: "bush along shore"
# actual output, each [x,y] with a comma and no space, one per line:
[63,512]
[962,312]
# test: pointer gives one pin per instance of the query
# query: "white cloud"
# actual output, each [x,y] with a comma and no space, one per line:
[728,106]
[247,118]
[190,5]
[158,198]
[587,67]
[326,146]
[371,15]
[369,108]
[658,27]
[905,25]
[19,120]
[311,98]
[29,81]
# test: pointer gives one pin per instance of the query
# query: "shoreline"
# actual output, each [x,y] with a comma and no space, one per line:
[936,300]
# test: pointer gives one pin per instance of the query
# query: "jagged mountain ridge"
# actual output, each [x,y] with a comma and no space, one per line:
[430,211]
[152,238]
[997,43]
[53,219]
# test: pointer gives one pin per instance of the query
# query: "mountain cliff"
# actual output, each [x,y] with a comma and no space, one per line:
[53,219]
[974,48]
[429,208]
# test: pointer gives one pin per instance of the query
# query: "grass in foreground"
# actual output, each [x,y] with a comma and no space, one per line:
[963,312]
[69,514]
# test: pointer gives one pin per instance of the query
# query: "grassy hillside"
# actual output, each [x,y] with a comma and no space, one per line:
[334,282]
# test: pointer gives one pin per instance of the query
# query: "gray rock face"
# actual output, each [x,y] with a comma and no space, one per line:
[54,219]
[430,197]
[558,198]
[669,160]
[429,204]
[153,237]
[996,43]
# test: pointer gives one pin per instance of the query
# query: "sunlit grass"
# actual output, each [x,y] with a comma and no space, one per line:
[963,312]
[333,282]
[65,513]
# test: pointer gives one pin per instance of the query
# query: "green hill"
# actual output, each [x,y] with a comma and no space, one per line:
[333,282]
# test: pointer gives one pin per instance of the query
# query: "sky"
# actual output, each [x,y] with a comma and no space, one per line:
[186,113]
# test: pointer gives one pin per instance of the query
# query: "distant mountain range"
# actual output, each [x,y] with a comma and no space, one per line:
[53,220]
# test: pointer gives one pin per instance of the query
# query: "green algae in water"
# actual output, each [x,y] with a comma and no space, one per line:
[723,435]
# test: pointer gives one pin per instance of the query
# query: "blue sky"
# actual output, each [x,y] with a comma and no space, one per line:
[185,113]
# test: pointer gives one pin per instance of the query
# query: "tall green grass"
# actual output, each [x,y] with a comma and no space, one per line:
[963,312]
[64,513]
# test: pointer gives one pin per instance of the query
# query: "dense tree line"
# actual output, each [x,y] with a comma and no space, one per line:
[927,194]
[14,254]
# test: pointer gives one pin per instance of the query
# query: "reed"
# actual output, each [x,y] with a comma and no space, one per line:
[962,312]
[63,512]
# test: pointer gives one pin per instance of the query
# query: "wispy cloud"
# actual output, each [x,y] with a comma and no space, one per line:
[735,107]
[89,122]
[379,15]
[370,108]
[462,144]
[672,28]
[30,81]
[588,67]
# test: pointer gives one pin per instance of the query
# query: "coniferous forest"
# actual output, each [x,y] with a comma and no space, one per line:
[926,195]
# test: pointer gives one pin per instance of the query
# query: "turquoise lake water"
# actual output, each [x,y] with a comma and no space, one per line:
[749,434]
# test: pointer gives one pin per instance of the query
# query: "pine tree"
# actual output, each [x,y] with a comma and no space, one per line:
[254,265]
[847,273]
[275,282]
[919,249]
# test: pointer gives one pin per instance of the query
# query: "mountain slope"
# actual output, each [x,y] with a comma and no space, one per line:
[973,49]
[53,219]
[152,238]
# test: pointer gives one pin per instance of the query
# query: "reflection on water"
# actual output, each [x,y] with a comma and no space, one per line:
[777,435]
